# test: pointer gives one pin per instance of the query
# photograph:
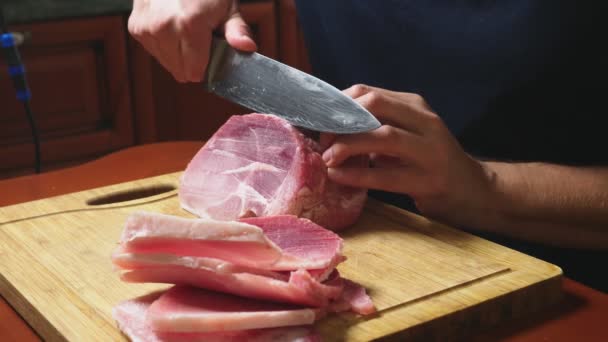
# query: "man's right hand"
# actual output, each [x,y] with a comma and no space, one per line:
[178,32]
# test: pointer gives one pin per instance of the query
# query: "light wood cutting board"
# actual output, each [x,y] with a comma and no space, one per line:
[427,280]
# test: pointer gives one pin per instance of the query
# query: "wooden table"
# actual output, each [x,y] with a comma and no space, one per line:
[581,315]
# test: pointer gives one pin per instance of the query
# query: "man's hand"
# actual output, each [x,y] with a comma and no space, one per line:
[178,32]
[412,153]
[415,154]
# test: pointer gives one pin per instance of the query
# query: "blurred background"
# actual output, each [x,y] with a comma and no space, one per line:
[95,90]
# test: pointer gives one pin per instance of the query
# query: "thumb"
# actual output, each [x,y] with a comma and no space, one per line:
[238,34]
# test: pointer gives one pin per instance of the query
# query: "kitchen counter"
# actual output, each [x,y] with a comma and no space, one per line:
[581,314]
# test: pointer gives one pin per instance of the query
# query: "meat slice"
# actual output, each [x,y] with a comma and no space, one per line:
[280,243]
[260,165]
[303,243]
[125,260]
[240,243]
[297,287]
[131,318]
[189,309]
[353,298]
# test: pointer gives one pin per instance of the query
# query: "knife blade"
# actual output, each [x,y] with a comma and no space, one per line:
[268,86]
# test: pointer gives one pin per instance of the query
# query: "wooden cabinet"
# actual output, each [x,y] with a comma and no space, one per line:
[96,90]
[78,75]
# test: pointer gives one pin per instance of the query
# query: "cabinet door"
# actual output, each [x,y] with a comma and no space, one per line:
[167,110]
[78,76]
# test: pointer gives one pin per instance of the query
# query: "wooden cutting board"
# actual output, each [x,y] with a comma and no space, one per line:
[427,280]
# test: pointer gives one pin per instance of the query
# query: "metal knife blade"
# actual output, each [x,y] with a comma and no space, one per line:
[268,86]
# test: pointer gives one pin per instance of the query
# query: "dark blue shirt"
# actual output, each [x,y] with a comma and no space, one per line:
[511,79]
[517,80]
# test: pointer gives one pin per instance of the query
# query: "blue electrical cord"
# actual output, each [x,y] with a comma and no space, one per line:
[16,70]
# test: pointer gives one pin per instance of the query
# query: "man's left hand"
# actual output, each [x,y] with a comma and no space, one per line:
[413,153]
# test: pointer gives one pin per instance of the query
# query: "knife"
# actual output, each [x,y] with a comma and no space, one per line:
[268,86]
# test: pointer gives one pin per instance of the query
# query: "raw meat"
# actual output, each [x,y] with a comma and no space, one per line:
[129,261]
[279,243]
[297,287]
[168,249]
[240,243]
[260,165]
[353,298]
[303,243]
[188,309]
[131,318]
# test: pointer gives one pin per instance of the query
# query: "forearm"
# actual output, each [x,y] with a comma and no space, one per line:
[558,205]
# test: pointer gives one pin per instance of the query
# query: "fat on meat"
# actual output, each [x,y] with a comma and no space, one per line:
[260,165]
[336,293]
[301,239]
[238,242]
[161,248]
[279,243]
[131,317]
[297,287]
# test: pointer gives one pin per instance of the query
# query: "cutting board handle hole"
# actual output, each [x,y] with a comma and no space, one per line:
[130,195]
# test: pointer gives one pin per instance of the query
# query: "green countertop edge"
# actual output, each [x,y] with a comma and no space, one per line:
[29,11]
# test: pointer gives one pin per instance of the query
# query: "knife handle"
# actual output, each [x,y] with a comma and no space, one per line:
[219,47]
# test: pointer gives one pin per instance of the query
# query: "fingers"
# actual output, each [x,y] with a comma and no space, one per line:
[359,90]
[392,111]
[382,161]
[405,110]
[194,61]
[326,139]
[157,32]
[170,49]
[142,35]
[403,180]
[238,35]
[387,140]
[178,33]
[195,43]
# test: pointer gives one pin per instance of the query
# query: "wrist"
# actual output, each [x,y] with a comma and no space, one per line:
[474,204]
[497,203]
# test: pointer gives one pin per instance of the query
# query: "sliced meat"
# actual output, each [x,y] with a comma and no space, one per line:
[238,242]
[128,261]
[353,298]
[260,165]
[189,309]
[131,318]
[279,243]
[297,287]
[303,243]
